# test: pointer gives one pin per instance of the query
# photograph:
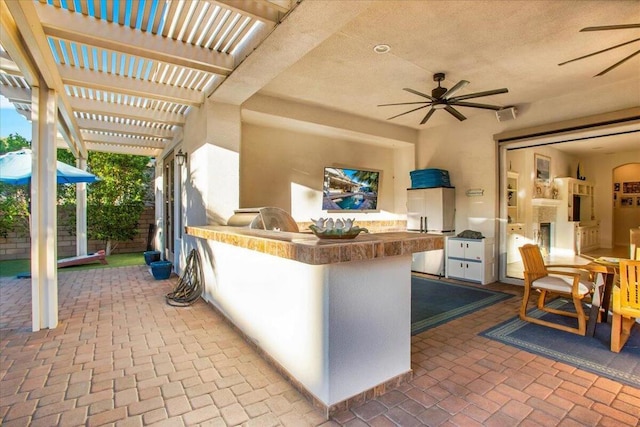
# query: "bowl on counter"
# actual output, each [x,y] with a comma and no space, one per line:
[338,233]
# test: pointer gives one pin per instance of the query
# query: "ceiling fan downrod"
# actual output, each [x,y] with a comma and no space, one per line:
[439,91]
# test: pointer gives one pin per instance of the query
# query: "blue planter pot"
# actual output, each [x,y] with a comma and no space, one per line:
[151,256]
[161,270]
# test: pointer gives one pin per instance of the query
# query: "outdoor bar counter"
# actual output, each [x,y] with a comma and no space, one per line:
[335,315]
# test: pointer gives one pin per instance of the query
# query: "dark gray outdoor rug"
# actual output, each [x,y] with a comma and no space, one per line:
[588,353]
[436,302]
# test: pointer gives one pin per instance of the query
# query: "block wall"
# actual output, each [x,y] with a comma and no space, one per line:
[17,246]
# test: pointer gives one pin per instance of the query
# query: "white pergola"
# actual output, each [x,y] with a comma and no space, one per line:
[116,77]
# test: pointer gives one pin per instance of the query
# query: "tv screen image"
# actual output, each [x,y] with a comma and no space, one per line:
[347,189]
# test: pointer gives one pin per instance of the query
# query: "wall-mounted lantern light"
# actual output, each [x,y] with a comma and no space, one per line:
[181,157]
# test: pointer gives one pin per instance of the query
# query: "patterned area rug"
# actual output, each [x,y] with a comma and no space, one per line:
[588,353]
[436,302]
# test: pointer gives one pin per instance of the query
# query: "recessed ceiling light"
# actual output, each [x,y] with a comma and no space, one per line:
[381,48]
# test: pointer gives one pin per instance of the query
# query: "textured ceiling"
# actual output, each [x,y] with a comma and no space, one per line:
[128,73]
[492,44]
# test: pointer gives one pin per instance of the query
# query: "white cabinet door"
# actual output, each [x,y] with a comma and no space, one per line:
[431,209]
[430,262]
[470,259]
[455,248]
[455,268]
[415,210]
[474,251]
[473,271]
[417,262]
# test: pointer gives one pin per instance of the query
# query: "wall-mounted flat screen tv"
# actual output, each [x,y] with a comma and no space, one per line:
[349,189]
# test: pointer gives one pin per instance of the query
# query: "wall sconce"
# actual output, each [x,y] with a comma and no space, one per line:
[181,157]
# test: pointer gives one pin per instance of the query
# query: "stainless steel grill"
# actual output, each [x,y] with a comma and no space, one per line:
[265,218]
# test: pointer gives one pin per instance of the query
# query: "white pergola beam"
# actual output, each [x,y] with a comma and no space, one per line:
[16,94]
[135,130]
[124,149]
[283,6]
[27,21]
[119,38]
[126,111]
[9,67]
[124,140]
[264,11]
[25,114]
[127,86]
[66,135]
[12,42]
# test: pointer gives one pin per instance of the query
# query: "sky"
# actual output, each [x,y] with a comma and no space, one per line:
[11,121]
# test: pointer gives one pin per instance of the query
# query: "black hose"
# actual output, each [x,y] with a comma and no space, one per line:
[189,287]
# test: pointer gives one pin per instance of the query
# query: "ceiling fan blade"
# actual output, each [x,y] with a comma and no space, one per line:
[404,103]
[475,105]
[479,94]
[415,92]
[601,51]
[407,112]
[611,27]
[448,94]
[429,114]
[617,63]
[455,113]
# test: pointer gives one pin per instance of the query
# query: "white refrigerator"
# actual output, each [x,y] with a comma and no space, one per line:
[431,210]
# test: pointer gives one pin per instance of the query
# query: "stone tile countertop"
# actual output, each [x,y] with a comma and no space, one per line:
[305,247]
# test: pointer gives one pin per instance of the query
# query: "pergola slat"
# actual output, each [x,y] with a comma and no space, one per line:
[131,66]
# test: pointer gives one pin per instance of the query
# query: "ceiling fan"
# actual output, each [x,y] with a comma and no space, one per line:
[606,28]
[442,98]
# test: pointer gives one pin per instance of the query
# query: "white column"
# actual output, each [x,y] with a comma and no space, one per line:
[81,212]
[44,248]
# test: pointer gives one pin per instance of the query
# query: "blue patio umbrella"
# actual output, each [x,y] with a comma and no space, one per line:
[15,168]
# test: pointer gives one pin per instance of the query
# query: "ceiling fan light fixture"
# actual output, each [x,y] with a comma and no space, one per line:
[445,99]
[381,48]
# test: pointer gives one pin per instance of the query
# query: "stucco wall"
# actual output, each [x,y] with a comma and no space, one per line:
[467,150]
[285,168]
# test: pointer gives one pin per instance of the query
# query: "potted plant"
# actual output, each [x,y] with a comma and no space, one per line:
[161,270]
[151,256]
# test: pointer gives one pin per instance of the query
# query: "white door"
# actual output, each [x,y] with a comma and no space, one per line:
[415,210]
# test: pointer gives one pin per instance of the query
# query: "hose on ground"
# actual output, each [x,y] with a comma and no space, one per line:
[190,284]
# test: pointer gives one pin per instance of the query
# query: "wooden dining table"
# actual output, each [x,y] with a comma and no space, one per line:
[607,268]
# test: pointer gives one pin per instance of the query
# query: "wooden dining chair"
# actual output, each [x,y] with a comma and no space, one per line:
[626,304]
[634,243]
[569,284]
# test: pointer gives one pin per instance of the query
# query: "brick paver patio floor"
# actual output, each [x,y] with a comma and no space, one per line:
[122,356]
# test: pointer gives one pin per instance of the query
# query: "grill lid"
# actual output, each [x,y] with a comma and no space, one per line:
[265,218]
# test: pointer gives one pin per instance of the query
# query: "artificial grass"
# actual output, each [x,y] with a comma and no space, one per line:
[14,267]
